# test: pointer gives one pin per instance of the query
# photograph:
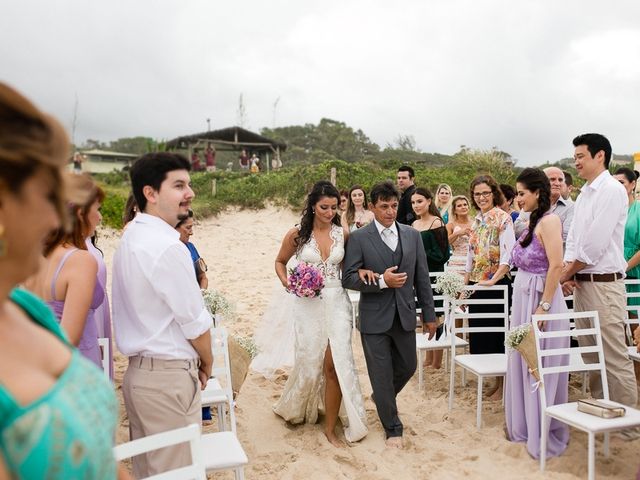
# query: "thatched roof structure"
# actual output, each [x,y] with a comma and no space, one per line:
[234,137]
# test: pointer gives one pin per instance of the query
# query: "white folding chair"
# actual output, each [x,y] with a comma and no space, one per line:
[576,358]
[423,344]
[190,433]
[105,350]
[481,365]
[635,320]
[219,390]
[222,451]
[568,412]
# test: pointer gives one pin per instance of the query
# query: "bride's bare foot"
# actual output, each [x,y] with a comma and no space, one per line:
[334,440]
[395,442]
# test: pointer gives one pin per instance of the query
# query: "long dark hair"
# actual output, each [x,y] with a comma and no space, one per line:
[351,209]
[630,175]
[433,210]
[321,189]
[535,180]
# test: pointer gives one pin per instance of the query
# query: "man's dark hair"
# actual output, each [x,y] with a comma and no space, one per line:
[594,143]
[508,191]
[568,178]
[384,191]
[407,168]
[151,169]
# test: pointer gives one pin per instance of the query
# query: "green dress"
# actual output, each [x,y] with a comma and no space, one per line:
[436,246]
[631,247]
[68,433]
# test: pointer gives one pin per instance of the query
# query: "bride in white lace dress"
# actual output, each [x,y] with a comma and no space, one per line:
[324,373]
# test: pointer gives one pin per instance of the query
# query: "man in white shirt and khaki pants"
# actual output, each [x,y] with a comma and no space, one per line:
[159,317]
[595,264]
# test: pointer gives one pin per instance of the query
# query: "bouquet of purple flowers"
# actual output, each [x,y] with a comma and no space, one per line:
[305,281]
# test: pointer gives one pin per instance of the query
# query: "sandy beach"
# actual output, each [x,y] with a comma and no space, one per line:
[240,247]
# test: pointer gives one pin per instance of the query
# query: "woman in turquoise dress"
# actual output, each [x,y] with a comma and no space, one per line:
[58,411]
[628,179]
[444,197]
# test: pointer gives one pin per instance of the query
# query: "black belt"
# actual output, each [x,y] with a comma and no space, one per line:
[598,277]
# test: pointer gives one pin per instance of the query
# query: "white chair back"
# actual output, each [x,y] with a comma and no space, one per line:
[570,358]
[190,433]
[105,350]
[220,384]
[459,310]
[633,311]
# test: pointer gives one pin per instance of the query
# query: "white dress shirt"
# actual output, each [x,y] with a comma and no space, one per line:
[157,304]
[394,229]
[596,236]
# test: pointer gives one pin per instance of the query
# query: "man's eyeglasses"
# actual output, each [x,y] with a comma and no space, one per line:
[482,194]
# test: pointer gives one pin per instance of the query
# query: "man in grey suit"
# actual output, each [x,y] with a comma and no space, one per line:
[390,257]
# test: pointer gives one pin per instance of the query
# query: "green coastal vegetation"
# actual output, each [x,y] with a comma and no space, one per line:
[312,151]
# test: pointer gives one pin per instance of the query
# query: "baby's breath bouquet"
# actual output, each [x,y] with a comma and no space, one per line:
[450,284]
[522,339]
[248,344]
[217,304]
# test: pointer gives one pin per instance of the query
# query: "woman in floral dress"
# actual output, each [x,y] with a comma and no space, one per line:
[490,245]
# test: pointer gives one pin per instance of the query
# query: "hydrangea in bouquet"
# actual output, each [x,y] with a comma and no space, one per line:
[305,281]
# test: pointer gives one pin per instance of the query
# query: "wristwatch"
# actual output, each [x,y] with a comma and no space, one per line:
[546,306]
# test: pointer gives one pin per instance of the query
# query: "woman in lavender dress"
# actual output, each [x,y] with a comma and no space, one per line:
[538,256]
[68,276]
[102,314]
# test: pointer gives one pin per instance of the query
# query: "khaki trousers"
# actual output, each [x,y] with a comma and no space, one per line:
[161,395]
[609,300]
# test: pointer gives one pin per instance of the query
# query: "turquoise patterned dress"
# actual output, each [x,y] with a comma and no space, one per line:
[631,247]
[68,433]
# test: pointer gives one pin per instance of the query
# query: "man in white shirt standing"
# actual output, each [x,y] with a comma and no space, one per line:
[595,265]
[159,317]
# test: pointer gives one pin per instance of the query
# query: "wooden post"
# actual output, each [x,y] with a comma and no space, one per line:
[214,187]
[333,176]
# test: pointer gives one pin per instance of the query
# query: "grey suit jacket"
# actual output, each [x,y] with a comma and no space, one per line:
[366,249]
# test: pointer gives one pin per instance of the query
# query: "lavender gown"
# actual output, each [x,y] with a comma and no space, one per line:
[522,404]
[103,313]
[89,341]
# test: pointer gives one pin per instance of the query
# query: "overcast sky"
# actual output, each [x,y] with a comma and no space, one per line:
[525,76]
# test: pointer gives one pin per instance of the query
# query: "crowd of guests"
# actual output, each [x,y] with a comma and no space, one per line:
[54,304]
[558,248]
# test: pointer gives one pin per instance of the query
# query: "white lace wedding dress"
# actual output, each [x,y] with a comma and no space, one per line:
[318,322]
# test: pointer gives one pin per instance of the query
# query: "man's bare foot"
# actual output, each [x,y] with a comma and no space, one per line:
[395,442]
[334,440]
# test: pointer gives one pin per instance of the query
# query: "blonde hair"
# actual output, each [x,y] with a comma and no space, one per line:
[446,206]
[29,141]
[452,207]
